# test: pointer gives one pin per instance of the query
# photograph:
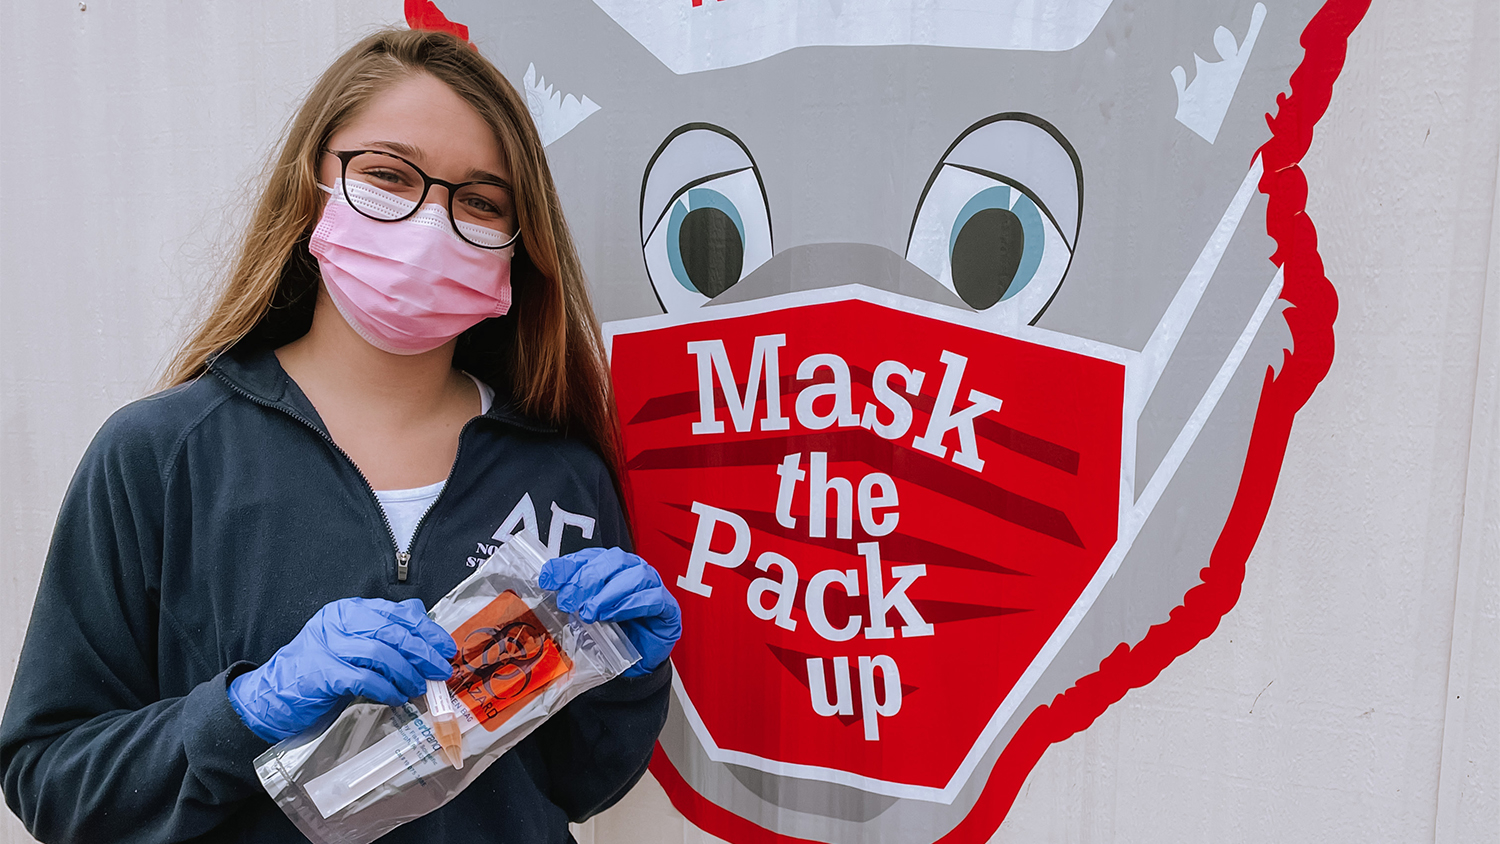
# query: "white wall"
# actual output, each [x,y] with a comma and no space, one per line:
[1352,695]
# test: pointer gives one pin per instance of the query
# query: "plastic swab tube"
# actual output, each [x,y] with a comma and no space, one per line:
[445,722]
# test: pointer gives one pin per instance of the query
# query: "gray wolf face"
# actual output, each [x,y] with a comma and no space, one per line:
[954,356]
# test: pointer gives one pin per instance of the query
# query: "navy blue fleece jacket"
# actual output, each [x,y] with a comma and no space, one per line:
[205,525]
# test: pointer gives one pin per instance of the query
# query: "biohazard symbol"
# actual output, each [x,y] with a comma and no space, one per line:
[506,657]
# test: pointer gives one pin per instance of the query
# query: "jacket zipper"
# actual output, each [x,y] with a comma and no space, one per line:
[403,558]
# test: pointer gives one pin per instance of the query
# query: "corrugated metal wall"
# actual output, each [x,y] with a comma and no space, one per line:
[1352,695]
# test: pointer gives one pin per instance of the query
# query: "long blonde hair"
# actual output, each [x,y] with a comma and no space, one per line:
[547,354]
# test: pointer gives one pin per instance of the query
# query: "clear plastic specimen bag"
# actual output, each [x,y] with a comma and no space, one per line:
[520,661]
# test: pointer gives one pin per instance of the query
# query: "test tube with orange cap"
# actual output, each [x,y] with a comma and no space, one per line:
[445,721]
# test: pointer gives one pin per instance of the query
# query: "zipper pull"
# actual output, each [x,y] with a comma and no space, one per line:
[403,563]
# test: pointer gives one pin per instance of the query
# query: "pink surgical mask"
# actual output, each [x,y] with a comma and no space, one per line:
[411,286]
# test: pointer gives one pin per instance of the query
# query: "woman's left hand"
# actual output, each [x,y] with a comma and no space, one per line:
[611,584]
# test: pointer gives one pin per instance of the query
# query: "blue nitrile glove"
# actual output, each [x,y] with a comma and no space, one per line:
[356,646]
[611,584]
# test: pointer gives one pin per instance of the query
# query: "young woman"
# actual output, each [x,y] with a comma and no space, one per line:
[402,369]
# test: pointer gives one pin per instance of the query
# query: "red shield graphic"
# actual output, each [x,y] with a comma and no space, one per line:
[878,550]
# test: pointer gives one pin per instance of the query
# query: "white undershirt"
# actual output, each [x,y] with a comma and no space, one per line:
[404,508]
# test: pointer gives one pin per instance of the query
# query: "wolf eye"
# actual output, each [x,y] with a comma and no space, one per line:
[705,241]
[998,221]
[705,223]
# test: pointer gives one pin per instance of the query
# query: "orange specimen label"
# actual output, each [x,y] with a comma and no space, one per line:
[506,656]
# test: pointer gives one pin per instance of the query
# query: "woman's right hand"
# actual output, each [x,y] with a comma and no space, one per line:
[352,647]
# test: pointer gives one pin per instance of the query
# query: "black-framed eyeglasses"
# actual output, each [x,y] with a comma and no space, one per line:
[386,187]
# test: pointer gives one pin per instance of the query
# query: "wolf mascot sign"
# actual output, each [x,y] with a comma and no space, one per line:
[956,348]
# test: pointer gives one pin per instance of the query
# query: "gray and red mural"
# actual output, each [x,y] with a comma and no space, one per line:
[956,349]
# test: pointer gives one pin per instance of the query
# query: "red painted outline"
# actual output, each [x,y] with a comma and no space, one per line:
[1313,304]
[424,14]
